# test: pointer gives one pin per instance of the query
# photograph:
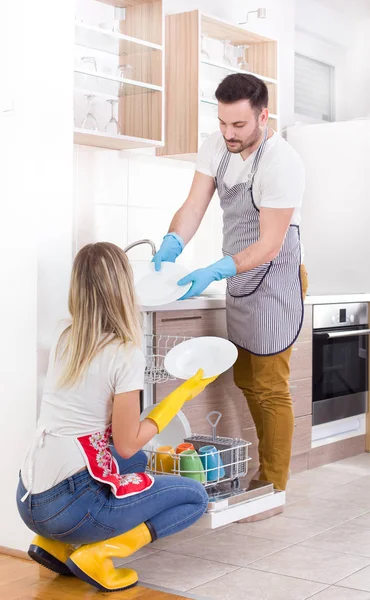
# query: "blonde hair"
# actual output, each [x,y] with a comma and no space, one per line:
[102,305]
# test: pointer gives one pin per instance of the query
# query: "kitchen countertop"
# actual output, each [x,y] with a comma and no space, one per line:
[205,302]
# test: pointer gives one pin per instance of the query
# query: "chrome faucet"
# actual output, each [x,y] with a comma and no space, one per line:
[152,244]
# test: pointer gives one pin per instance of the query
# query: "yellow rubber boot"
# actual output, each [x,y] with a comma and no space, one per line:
[51,554]
[93,562]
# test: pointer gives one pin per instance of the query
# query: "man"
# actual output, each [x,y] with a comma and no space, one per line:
[260,182]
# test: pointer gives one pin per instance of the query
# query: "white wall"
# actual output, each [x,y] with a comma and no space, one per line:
[122,197]
[336,207]
[341,40]
[36,226]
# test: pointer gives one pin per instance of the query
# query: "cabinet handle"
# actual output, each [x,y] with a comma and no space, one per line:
[180,319]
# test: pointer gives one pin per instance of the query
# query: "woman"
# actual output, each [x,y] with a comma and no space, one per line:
[73,491]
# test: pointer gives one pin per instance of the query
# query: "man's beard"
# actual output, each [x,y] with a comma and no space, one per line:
[240,146]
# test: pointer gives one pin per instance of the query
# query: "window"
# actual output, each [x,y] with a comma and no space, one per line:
[314,89]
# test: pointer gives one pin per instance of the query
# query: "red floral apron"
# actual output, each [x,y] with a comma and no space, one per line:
[103,467]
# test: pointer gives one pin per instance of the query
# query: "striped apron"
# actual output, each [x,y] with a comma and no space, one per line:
[264,306]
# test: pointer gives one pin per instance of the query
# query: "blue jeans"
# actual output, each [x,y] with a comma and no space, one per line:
[80,510]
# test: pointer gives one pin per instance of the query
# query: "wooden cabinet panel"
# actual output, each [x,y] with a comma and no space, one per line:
[306,331]
[302,435]
[301,391]
[191,322]
[301,361]
[299,463]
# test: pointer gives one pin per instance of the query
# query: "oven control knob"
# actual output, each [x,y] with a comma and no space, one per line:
[352,318]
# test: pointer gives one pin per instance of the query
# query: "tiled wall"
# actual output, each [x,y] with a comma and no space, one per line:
[125,196]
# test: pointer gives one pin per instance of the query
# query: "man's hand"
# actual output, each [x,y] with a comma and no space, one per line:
[170,249]
[202,278]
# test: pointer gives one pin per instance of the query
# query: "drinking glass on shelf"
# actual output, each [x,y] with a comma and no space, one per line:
[112,126]
[124,72]
[89,65]
[89,121]
[203,50]
[242,63]
[225,58]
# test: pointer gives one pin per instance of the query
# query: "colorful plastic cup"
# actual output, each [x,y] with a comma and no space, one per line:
[185,446]
[164,459]
[191,466]
[212,463]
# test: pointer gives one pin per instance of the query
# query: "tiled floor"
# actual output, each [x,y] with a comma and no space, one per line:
[319,548]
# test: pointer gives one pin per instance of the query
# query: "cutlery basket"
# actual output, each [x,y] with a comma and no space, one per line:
[233,451]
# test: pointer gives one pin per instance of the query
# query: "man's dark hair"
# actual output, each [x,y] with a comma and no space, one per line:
[240,86]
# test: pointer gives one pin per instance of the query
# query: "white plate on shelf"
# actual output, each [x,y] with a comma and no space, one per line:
[212,354]
[160,287]
[172,435]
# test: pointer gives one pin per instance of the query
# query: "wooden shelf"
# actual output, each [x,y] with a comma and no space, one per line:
[103,140]
[231,69]
[113,86]
[111,42]
[222,30]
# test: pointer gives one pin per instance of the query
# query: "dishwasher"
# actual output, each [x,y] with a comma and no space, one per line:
[228,500]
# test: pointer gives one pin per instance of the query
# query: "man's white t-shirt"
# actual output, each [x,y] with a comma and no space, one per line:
[79,410]
[280,178]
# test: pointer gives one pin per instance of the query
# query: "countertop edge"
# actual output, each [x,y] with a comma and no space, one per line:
[209,302]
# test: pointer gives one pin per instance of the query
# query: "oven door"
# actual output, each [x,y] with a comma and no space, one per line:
[340,373]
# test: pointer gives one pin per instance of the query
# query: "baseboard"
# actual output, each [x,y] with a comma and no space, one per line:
[14,552]
[324,455]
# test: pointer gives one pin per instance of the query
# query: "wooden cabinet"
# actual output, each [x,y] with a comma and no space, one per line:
[200,52]
[119,76]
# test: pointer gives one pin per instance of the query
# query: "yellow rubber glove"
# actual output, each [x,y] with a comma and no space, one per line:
[165,411]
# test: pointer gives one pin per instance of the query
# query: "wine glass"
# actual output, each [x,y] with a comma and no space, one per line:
[225,58]
[242,63]
[89,121]
[203,50]
[112,126]
[124,72]
[89,65]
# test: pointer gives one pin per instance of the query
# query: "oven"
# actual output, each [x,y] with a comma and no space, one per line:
[340,361]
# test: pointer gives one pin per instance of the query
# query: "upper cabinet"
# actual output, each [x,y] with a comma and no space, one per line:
[119,74]
[200,52]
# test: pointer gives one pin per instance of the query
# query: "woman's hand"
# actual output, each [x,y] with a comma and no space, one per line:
[195,385]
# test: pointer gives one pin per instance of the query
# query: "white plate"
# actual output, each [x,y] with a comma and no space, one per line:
[172,435]
[160,287]
[213,354]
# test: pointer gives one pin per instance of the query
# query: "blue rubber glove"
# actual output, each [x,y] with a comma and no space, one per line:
[202,278]
[170,249]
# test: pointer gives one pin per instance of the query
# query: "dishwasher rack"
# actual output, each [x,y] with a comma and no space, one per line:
[155,347]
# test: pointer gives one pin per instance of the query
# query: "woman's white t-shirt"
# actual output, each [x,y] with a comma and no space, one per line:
[79,410]
[280,178]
